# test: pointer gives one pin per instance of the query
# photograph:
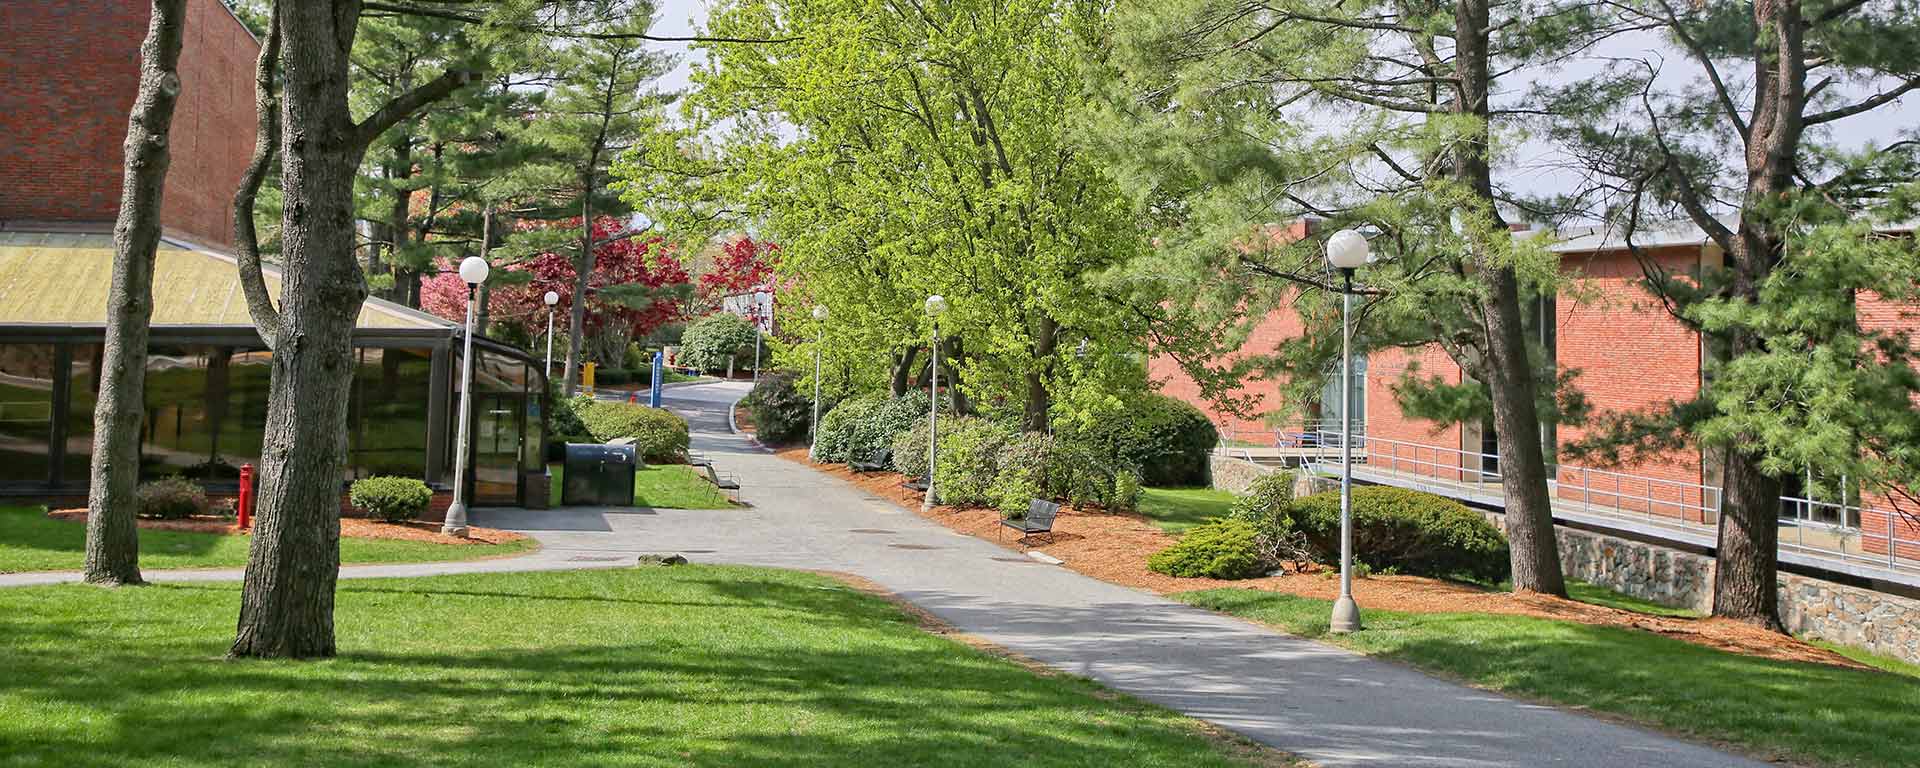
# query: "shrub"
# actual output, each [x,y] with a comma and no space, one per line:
[910,450]
[659,436]
[781,412]
[563,419]
[170,498]
[1126,491]
[1407,531]
[969,460]
[1268,507]
[1220,549]
[1166,438]
[612,377]
[1021,475]
[711,341]
[393,499]
[863,426]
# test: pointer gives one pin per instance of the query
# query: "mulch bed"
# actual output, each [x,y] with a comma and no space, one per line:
[1114,547]
[349,526]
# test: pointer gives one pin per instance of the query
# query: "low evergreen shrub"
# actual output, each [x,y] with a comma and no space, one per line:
[781,412]
[857,429]
[393,499]
[711,341]
[1219,549]
[170,498]
[1404,530]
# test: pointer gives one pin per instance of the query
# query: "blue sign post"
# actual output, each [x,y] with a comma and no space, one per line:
[653,393]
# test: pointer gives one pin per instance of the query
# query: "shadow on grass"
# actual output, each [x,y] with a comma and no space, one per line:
[718,668]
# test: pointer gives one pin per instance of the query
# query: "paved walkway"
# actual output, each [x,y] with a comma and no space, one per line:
[1331,706]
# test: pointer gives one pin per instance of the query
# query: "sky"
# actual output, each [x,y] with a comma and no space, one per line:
[678,18]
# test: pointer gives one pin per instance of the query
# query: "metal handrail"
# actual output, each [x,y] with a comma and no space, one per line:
[1650,500]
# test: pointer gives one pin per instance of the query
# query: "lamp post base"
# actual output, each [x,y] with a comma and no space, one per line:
[1346,616]
[456,523]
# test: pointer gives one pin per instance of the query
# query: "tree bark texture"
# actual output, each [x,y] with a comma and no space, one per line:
[1038,401]
[1534,552]
[286,607]
[113,539]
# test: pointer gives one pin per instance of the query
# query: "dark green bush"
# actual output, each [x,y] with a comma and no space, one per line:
[969,460]
[393,499]
[711,341]
[1409,531]
[781,412]
[858,429]
[910,450]
[1021,475]
[1166,438]
[659,435]
[612,377]
[170,498]
[563,419]
[1220,549]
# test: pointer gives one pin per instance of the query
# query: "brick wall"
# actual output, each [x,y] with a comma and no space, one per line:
[1631,356]
[72,69]
[1282,324]
[1395,440]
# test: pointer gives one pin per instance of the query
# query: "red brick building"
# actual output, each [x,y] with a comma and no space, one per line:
[72,67]
[1631,355]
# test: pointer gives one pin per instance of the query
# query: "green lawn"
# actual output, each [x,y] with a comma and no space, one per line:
[30,541]
[1177,509]
[694,665]
[660,486]
[1814,713]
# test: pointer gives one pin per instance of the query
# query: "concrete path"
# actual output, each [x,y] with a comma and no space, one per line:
[1334,707]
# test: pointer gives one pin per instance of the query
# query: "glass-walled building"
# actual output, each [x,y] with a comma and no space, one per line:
[207,380]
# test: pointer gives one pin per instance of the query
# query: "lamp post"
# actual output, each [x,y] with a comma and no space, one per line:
[813,428]
[936,306]
[473,270]
[551,299]
[1346,251]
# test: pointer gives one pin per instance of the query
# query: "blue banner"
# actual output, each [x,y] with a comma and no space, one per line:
[653,393]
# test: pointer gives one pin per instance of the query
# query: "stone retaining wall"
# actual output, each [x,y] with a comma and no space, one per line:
[1812,608]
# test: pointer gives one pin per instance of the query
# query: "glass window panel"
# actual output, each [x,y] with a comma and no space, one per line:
[26,412]
[83,391]
[388,419]
[179,434]
[238,380]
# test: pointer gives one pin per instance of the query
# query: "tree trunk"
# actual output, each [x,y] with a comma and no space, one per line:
[1534,552]
[113,540]
[903,370]
[582,273]
[286,606]
[1746,565]
[1038,401]
[400,234]
[951,351]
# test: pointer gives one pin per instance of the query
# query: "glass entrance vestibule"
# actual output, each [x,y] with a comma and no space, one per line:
[206,405]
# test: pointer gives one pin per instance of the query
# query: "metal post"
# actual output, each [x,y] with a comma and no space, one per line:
[456,523]
[1346,613]
[813,428]
[549,369]
[933,420]
[756,352]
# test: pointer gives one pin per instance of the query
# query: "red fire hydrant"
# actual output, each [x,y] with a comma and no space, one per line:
[634,396]
[244,505]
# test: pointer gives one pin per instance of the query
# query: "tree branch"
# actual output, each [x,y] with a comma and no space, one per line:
[266,319]
[407,103]
[1870,102]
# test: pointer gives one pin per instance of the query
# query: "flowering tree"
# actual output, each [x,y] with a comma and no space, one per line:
[636,287]
[743,265]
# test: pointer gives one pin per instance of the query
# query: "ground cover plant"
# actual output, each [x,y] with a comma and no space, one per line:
[693,665]
[31,541]
[1813,713]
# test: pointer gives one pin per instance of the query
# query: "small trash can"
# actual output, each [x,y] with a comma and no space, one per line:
[598,475]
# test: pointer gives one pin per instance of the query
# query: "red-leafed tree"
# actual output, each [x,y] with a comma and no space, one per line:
[637,286]
[743,265]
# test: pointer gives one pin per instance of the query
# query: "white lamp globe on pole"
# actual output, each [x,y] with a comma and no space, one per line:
[551,299]
[819,317]
[473,271]
[1346,251]
[936,306]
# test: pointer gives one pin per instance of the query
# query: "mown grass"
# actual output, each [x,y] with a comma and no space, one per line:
[31,541]
[660,486]
[686,666]
[1807,712]
[1175,510]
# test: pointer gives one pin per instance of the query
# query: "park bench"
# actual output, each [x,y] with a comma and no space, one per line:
[727,483]
[879,460]
[1039,519]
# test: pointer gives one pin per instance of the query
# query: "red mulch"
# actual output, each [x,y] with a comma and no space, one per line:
[349,526]
[1114,547]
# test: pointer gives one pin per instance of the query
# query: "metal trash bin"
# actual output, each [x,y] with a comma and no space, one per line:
[598,475]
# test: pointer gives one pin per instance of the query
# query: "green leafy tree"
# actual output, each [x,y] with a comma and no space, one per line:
[900,151]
